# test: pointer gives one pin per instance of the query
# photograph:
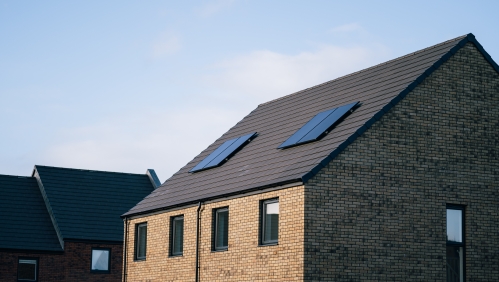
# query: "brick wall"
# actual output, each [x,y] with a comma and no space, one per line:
[72,265]
[378,211]
[244,260]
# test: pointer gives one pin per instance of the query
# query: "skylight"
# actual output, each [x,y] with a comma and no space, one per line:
[318,126]
[224,152]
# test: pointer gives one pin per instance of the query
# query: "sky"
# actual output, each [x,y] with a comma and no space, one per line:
[130,85]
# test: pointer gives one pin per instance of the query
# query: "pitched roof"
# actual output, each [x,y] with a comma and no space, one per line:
[24,218]
[260,164]
[86,204]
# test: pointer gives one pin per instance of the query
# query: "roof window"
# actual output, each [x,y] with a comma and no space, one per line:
[224,152]
[318,126]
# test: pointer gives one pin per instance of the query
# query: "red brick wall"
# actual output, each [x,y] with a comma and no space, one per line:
[72,265]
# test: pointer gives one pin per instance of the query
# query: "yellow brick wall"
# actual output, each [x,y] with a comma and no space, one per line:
[244,260]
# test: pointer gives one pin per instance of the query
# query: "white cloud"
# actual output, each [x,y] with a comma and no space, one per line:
[166,140]
[163,141]
[165,45]
[347,28]
[264,75]
[214,7]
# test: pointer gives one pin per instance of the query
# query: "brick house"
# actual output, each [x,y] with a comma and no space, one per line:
[64,224]
[387,174]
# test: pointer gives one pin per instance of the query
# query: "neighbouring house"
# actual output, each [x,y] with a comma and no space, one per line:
[387,174]
[64,224]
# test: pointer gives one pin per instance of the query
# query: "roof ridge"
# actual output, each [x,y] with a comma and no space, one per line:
[17,176]
[88,170]
[368,68]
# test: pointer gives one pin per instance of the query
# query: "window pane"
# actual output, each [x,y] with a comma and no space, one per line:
[271,222]
[178,236]
[26,270]
[222,229]
[100,260]
[454,225]
[142,241]
[455,260]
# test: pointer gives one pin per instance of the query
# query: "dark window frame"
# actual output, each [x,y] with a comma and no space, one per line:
[214,232]
[172,235]
[261,233]
[136,249]
[36,268]
[462,244]
[108,260]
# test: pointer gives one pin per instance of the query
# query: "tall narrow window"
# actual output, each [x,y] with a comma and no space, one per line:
[27,269]
[140,241]
[221,229]
[455,244]
[270,222]
[177,238]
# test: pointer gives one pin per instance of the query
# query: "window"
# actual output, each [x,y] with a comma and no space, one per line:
[140,241]
[319,126]
[27,269]
[177,236]
[221,228]
[100,260]
[224,152]
[270,222]
[455,244]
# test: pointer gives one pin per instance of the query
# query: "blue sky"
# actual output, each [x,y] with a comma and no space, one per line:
[130,85]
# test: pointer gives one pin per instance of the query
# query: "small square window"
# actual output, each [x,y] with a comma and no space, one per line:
[221,229]
[177,236]
[140,241]
[100,260]
[270,222]
[27,269]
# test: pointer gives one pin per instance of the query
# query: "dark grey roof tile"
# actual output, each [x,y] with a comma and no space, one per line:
[26,224]
[87,204]
[261,164]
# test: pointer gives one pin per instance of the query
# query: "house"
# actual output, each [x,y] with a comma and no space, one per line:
[387,174]
[64,224]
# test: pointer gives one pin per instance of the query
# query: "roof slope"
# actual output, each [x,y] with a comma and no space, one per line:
[24,218]
[260,164]
[87,204]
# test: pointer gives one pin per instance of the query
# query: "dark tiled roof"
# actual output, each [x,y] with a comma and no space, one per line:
[87,204]
[24,218]
[261,164]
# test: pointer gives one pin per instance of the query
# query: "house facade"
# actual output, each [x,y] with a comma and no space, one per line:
[387,174]
[63,224]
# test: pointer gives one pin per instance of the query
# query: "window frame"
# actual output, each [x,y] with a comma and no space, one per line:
[462,244]
[172,235]
[215,229]
[108,260]
[136,254]
[263,209]
[36,268]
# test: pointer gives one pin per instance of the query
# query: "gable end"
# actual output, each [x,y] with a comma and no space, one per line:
[469,38]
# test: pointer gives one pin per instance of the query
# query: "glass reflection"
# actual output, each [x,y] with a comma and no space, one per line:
[454,226]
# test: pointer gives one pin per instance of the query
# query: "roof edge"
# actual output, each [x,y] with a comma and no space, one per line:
[469,38]
[226,195]
[31,251]
[153,177]
[93,241]
[36,175]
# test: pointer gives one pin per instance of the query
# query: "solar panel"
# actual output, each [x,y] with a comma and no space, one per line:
[318,126]
[224,152]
